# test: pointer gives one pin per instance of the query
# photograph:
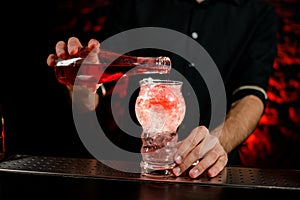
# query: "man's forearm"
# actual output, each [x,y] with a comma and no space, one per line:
[240,122]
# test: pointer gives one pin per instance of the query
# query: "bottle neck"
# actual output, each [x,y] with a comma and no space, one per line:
[142,65]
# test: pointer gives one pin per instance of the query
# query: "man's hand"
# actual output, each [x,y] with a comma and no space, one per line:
[85,97]
[202,150]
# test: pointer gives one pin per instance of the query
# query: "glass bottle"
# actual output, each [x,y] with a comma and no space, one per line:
[108,66]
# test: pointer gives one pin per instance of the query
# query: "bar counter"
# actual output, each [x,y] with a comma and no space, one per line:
[37,177]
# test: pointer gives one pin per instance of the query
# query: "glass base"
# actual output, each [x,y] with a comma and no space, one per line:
[155,171]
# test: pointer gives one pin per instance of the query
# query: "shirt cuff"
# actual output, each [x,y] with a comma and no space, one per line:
[250,90]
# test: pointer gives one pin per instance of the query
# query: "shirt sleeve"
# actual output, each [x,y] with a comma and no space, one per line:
[257,61]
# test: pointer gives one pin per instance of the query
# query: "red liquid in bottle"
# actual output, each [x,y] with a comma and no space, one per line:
[67,71]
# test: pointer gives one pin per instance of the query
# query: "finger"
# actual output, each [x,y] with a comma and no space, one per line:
[201,149]
[51,60]
[219,165]
[61,50]
[74,46]
[214,162]
[93,43]
[190,142]
[182,157]
[198,152]
[93,49]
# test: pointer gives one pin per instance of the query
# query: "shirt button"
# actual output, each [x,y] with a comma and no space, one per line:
[195,35]
[191,65]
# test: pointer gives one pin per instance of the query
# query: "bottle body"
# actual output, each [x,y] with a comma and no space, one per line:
[108,66]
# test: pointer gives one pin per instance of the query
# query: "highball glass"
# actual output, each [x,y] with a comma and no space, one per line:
[160,109]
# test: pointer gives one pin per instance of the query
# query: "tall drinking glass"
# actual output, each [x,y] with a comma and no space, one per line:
[160,109]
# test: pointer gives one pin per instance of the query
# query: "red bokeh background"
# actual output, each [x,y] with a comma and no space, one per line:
[275,143]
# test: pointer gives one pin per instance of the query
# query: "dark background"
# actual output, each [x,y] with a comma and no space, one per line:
[35,106]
